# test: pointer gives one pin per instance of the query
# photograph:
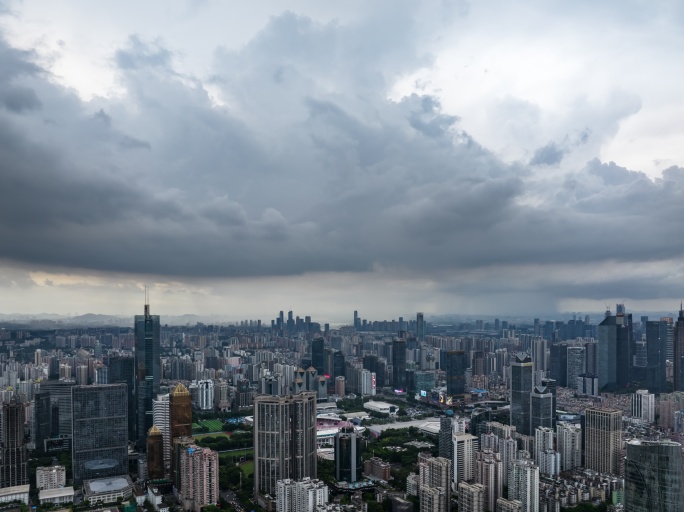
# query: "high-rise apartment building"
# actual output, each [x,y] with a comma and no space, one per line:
[302,495]
[100,424]
[465,447]
[348,463]
[471,498]
[199,478]
[653,476]
[521,388]
[643,405]
[13,457]
[569,442]
[456,366]
[504,505]
[489,472]
[603,440]
[284,441]
[523,484]
[147,371]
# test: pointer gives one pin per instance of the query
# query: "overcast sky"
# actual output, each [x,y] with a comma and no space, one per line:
[241,158]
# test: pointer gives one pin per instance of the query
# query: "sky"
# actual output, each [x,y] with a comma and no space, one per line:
[242,158]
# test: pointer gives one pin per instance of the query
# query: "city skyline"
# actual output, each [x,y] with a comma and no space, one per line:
[464,158]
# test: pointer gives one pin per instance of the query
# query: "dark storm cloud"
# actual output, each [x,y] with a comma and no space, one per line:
[307,166]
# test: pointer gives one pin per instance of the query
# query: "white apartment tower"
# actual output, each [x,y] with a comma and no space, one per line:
[523,484]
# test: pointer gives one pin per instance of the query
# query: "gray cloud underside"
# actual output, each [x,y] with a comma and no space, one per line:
[307,167]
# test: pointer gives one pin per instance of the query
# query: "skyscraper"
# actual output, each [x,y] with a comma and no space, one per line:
[13,458]
[155,454]
[656,350]
[420,327]
[603,440]
[456,366]
[60,394]
[318,355]
[348,463]
[100,425]
[284,441]
[121,369]
[399,364]
[521,387]
[42,419]
[653,476]
[541,408]
[678,347]
[465,447]
[180,421]
[147,370]
[615,349]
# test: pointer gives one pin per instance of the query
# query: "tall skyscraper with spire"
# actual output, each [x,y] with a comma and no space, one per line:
[679,351]
[147,371]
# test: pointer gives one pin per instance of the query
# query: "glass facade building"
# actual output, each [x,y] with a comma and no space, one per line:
[147,371]
[521,389]
[653,476]
[100,423]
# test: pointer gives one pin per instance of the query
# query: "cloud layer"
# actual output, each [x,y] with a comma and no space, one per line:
[295,155]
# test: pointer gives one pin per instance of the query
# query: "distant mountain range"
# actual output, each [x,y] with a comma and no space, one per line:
[49,320]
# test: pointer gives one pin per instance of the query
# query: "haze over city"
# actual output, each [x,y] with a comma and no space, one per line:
[390,157]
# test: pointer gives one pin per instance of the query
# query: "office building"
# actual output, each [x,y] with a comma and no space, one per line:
[147,371]
[678,352]
[575,364]
[465,447]
[653,476]
[603,440]
[615,349]
[456,366]
[60,394]
[657,335]
[643,405]
[155,454]
[420,327]
[199,478]
[541,408]
[161,418]
[472,497]
[445,444]
[121,370]
[399,364]
[521,388]
[100,424]
[180,423]
[284,441]
[42,420]
[523,484]
[348,450]
[489,472]
[318,355]
[569,442]
[13,459]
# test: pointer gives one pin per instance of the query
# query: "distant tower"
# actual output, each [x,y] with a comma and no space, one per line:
[615,349]
[521,388]
[155,454]
[147,370]
[284,441]
[679,352]
[456,366]
[13,462]
[420,327]
[180,419]
[399,364]
[653,476]
[318,355]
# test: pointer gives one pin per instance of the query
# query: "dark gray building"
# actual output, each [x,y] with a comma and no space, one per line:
[13,457]
[456,366]
[653,476]
[42,419]
[615,349]
[521,389]
[147,371]
[541,408]
[60,394]
[656,354]
[399,364]
[348,449]
[100,426]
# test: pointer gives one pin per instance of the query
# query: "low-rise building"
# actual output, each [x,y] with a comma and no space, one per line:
[375,467]
[50,477]
[56,495]
[108,490]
